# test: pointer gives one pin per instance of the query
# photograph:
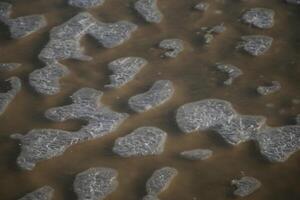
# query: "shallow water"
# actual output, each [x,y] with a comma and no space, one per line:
[195,78]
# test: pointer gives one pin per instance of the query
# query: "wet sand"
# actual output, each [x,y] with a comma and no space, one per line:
[195,78]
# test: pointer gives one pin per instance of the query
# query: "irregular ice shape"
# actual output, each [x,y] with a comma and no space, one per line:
[65,39]
[108,34]
[220,116]
[149,10]
[112,34]
[266,90]
[9,66]
[141,142]
[255,45]
[46,80]
[86,3]
[23,26]
[86,106]
[159,93]
[278,144]
[124,70]
[197,154]
[43,193]
[204,114]
[241,128]
[232,71]
[160,180]
[211,32]
[245,186]
[74,28]
[259,17]
[7,97]
[173,47]
[61,49]
[42,144]
[95,183]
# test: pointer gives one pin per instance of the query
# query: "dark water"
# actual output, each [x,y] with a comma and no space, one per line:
[195,78]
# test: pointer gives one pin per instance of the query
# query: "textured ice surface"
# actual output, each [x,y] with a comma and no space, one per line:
[74,28]
[46,80]
[241,128]
[259,17]
[149,10]
[23,26]
[232,71]
[112,34]
[143,141]
[61,49]
[86,106]
[219,115]
[9,66]
[160,180]
[245,186]
[86,3]
[197,154]
[278,144]
[173,47]
[42,144]
[124,70]
[266,90]
[7,97]
[255,45]
[204,114]
[43,193]
[159,93]
[95,183]
[65,39]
